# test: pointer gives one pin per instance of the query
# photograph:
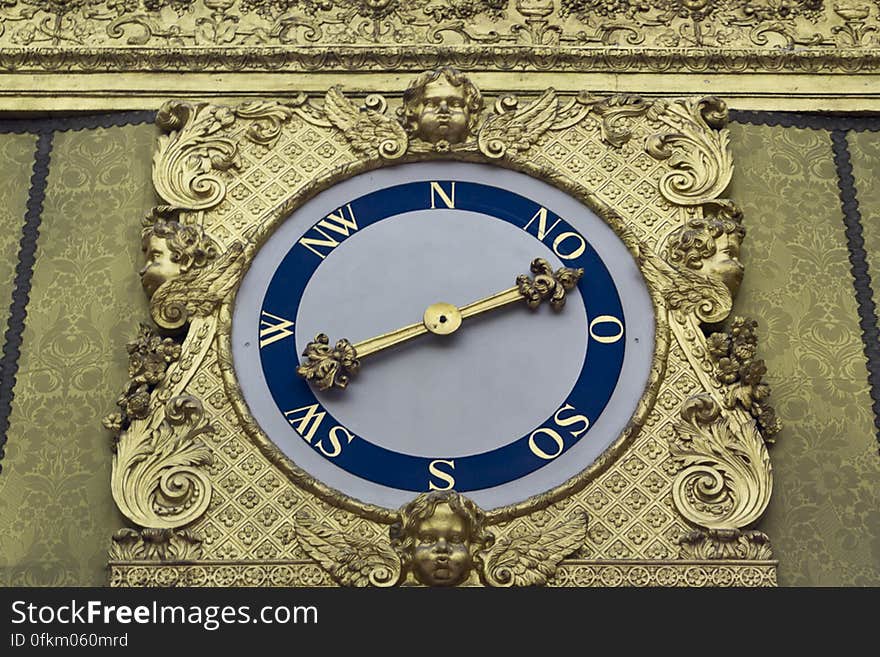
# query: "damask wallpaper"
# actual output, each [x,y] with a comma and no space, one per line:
[823,516]
[17,153]
[865,148]
[56,515]
[85,303]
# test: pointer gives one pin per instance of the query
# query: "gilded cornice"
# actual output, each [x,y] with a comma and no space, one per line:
[734,36]
[762,54]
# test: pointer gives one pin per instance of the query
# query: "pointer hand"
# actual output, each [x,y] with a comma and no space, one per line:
[327,367]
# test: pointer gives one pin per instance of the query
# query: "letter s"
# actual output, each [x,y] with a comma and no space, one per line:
[435,471]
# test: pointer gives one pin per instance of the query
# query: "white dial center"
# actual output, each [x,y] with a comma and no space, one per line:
[497,378]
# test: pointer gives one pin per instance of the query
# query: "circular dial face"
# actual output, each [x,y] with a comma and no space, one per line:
[508,404]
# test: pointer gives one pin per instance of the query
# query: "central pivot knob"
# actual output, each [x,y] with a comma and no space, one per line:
[442,318]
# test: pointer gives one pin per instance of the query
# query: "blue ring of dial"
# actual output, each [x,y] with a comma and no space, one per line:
[589,396]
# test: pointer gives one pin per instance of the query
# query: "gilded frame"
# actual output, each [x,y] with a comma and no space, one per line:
[213,502]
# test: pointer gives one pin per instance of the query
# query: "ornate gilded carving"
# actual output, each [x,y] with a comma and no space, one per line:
[547,285]
[439,539]
[515,131]
[441,108]
[662,165]
[696,144]
[738,368]
[197,292]
[725,481]
[710,246]
[532,560]
[193,154]
[584,24]
[442,111]
[350,560]
[188,161]
[155,545]
[327,366]
[719,544]
[571,572]
[368,129]
[149,356]
[158,479]
[171,249]
[616,112]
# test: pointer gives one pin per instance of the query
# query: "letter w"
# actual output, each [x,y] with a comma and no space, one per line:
[273,329]
[335,223]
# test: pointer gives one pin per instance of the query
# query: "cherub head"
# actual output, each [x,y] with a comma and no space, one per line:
[711,246]
[441,106]
[171,249]
[438,537]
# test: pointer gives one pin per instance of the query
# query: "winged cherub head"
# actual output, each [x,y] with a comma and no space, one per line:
[711,246]
[171,249]
[438,537]
[441,106]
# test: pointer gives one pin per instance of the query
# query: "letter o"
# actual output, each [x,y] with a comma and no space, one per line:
[540,453]
[581,247]
[606,319]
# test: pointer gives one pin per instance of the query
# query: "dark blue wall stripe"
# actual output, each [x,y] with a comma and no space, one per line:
[22,287]
[858,258]
[806,120]
[84,122]
[44,129]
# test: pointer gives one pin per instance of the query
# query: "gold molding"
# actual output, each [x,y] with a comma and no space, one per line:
[107,54]
[575,573]
[677,485]
[148,90]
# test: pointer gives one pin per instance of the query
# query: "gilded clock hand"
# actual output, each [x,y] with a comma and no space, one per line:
[327,366]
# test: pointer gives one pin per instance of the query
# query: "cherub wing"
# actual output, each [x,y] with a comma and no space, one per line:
[367,130]
[688,291]
[516,131]
[351,561]
[198,292]
[531,560]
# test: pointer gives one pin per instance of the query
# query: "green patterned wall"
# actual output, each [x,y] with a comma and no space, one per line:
[17,153]
[56,515]
[865,148]
[824,517]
